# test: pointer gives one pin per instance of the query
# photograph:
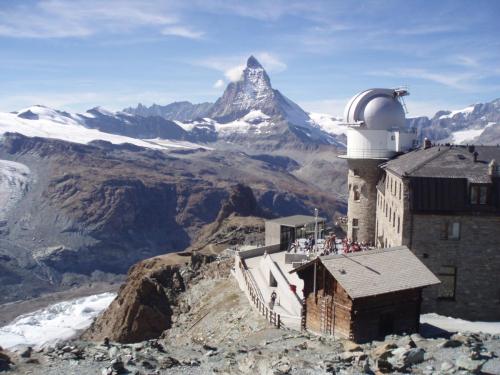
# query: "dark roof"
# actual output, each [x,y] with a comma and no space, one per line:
[374,272]
[446,162]
[296,220]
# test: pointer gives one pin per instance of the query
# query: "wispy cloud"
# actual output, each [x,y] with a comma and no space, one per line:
[232,66]
[79,18]
[461,81]
[183,32]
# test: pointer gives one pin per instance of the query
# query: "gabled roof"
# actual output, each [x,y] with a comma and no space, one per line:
[446,162]
[374,272]
[296,220]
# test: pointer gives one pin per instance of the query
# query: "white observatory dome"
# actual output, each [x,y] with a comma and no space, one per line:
[378,109]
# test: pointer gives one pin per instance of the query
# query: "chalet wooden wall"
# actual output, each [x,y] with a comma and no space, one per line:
[331,311]
[328,311]
[403,308]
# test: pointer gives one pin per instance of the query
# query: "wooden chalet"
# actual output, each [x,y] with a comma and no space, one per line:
[365,295]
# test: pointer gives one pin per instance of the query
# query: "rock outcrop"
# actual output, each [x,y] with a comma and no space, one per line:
[143,308]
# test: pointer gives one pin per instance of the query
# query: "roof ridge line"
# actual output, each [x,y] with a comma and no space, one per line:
[439,153]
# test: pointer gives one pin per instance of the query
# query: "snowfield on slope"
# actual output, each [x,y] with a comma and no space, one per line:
[54,323]
[48,123]
[328,123]
[14,178]
[467,135]
[254,121]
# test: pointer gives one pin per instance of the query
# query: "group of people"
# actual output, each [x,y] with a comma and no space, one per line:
[330,246]
[349,246]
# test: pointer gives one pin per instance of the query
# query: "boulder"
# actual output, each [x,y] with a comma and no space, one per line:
[491,367]
[26,353]
[384,351]
[5,361]
[350,346]
[403,358]
[447,367]
[451,343]
[471,365]
[406,342]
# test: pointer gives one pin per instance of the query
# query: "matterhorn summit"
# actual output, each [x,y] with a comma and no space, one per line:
[253,91]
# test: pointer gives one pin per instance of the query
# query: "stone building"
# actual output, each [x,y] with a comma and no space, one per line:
[376,132]
[443,202]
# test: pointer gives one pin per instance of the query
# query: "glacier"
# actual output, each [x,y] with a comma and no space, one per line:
[57,322]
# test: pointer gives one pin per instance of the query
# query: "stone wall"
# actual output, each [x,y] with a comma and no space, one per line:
[475,256]
[362,178]
[393,207]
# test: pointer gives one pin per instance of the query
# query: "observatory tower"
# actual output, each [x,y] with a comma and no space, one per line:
[376,132]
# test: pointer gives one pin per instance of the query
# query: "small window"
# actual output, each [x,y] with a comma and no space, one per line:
[272,281]
[393,138]
[357,195]
[393,219]
[398,224]
[448,277]
[451,231]
[355,223]
[479,194]
[355,172]
[400,188]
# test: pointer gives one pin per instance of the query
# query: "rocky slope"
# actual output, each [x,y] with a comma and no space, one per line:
[214,329]
[87,211]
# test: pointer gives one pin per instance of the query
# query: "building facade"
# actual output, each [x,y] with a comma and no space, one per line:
[376,132]
[443,202]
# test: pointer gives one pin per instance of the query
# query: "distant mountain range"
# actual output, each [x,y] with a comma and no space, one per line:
[478,123]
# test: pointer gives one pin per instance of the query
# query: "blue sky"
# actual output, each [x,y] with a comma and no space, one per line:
[78,54]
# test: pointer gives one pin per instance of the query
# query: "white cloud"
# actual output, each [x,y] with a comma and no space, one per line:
[235,73]
[183,32]
[219,84]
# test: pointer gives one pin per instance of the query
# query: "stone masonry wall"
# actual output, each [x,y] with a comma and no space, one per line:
[476,256]
[363,177]
[392,212]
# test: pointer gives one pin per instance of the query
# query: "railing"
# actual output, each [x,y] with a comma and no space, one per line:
[257,299]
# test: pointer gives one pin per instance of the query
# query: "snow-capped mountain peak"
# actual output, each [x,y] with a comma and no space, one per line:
[255,92]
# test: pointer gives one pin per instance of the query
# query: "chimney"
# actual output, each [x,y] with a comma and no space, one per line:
[475,154]
[427,143]
[493,170]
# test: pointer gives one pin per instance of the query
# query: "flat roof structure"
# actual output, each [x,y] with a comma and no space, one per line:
[296,221]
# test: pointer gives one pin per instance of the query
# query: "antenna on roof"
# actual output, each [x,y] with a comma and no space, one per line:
[400,93]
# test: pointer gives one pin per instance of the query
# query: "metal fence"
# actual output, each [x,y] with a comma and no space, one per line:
[257,299]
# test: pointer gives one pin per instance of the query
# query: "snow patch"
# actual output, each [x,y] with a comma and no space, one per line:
[14,178]
[54,323]
[464,136]
[327,123]
[466,111]
[460,325]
